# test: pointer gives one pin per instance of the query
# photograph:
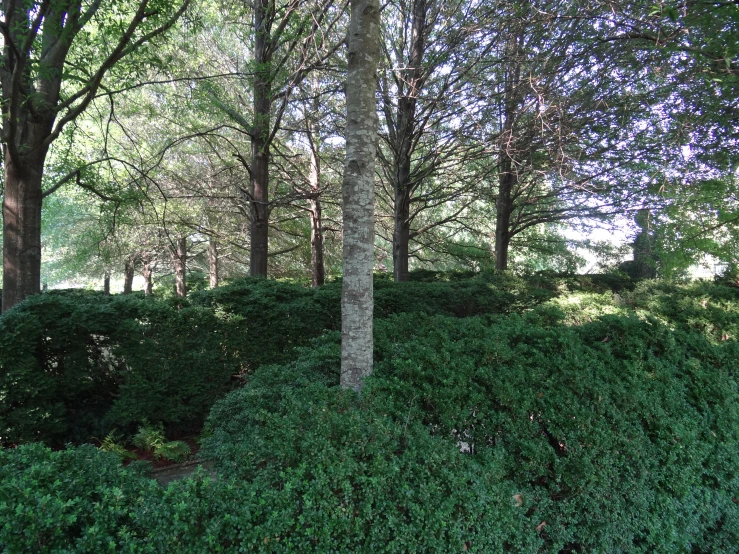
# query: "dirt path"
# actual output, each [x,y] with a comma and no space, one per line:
[165,475]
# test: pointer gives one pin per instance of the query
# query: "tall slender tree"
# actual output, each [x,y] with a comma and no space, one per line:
[359,194]
[288,41]
[430,48]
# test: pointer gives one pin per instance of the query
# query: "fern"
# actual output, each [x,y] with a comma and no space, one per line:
[110,444]
[177,451]
[152,440]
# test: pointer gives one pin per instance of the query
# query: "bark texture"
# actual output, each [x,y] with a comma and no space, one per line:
[318,273]
[213,263]
[645,260]
[504,210]
[147,272]
[405,138]
[22,228]
[259,183]
[179,257]
[37,37]
[507,169]
[358,193]
[106,283]
[128,273]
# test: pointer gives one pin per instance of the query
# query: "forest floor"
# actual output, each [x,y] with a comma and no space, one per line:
[165,471]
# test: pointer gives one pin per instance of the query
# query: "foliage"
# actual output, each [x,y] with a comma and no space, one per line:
[75,500]
[152,440]
[111,444]
[348,467]
[579,420]
[623,431]
[76,363]
[80,500]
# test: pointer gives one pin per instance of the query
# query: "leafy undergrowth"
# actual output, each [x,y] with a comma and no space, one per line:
[150,445]
[582,420]
[78,364]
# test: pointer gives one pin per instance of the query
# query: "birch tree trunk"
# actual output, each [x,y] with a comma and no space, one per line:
[358,193]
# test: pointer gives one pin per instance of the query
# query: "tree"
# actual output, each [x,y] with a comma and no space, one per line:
[358,193]
[288,41]
[56,55]
[430,48]
[563,113]
[689,53]
[179,260]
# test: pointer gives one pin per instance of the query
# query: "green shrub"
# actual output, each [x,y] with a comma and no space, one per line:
[56,378]
[73,364]
[76,500]
[706,308]
[76,363]
[618,435]
[112,443]
[580,424]
[344,477]
[269,318]
[626,432]
[373,487]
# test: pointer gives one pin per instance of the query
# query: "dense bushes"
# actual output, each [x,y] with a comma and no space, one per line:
[593,421]
[625,433]
[372,486]
[74,364]
[353,479]
[74,500]
[622,435]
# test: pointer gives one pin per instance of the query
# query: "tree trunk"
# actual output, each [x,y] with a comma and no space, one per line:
[21,230]
[359,194]
[128,272]
[645,261]
[37,37]
[318,273]
[147,273]
[316,223]
[213,263]
[507,171]
[504,209]
[106,283]
[179,256]
[259,183]
[406,131]
[401,233]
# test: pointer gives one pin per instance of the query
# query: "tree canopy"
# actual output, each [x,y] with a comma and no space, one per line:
[130,127]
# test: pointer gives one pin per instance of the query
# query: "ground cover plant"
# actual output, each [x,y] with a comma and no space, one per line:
[578,417]
[78,364]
